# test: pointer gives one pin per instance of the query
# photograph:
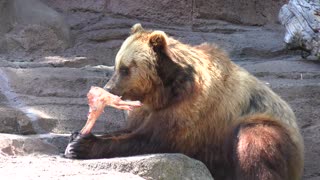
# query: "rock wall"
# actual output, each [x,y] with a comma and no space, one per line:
[249,12]
[29,25]
[52,51]
[252,12]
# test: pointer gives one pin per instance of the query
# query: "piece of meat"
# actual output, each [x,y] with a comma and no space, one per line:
[98,99]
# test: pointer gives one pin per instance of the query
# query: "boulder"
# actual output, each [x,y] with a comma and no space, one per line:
[160,166]
[156,166]
[15,145]
[33,150]
[302,22]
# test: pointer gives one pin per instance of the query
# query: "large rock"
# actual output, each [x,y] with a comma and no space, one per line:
[157,166]
[32,26]
[32,149]
[301,19]
[161,166]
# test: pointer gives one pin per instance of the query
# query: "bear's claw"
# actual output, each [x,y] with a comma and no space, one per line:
[80,146]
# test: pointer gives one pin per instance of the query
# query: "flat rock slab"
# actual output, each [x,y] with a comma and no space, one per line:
[161,166]
[17,145]
[38,157]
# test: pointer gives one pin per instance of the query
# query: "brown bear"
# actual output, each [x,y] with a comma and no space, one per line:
[199,103]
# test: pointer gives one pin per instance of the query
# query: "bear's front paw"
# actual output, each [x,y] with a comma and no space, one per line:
[80,146]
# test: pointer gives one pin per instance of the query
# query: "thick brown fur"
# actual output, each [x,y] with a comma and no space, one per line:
[199,103]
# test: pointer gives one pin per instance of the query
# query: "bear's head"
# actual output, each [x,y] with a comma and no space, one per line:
[144,70]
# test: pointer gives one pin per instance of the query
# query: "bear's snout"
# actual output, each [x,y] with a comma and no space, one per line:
[110,87]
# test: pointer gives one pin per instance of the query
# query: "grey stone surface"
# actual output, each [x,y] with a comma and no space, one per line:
[74,5]
[36,144]
[5,17]
[161,166]
[98,33]
[17,152]
[54,167]
[15,121]
[15,145]
[253,12]
[157,166]
[31,25]
[168,12]
[302,22]
[34,38]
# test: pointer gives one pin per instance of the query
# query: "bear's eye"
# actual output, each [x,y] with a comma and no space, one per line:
[124,71]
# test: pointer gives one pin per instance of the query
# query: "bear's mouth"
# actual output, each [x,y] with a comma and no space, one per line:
[130,95]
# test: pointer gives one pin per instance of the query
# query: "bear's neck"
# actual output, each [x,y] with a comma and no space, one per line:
[177,82]
[185,72]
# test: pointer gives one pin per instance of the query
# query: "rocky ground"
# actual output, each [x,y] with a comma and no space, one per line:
[46,69]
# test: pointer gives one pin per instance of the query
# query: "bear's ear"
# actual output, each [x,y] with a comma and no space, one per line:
[136,28]
[158,40]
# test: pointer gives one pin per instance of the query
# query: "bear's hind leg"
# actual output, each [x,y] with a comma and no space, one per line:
[263,149]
